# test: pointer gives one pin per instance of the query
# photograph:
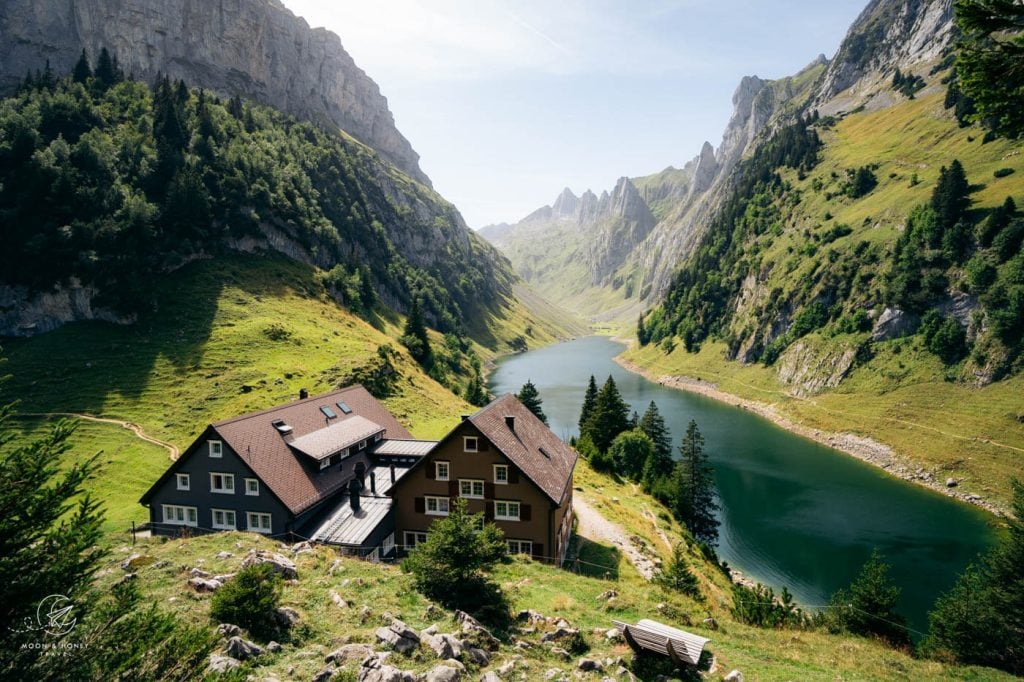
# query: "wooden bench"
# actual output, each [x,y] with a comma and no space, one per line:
[647,635]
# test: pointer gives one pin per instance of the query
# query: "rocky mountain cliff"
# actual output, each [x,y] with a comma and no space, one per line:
[254,48]
[635,266]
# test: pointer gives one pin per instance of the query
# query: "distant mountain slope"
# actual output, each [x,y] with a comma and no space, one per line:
[254,48]
[909,34]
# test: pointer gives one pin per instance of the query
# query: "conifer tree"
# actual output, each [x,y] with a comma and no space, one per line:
[609,418]
[868,606]
[660,463]
[589,400]
[414,335]
[951,196]
[106,70]
[82,72]
[695,488]
[531,400]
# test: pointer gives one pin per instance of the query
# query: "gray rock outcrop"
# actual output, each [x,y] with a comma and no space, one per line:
[254,48]
[400,636]
[281,564]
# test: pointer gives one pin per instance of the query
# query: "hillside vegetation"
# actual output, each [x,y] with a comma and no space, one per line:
[798,287]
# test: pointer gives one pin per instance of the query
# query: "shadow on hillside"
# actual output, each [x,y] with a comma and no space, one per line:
[81,366]
[595,560]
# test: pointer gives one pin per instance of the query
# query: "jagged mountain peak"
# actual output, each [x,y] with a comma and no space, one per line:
[566,205]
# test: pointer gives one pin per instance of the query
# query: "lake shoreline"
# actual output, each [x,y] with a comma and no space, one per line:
[865,449]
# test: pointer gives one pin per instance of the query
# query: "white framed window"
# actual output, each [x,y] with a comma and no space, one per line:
[324,463]
[520,547]
[258,522]
[252,486]
[506,510]
[413,538]
[222,483]
[441,471]
[470,444]
[178,515]
[362,445]
[471,488]
[501,474]
[436,506]
[184,481]
[377,437]
[216,448]
[223,519]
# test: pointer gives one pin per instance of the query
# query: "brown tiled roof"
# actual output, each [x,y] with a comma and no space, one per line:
[255,439]
[531,446]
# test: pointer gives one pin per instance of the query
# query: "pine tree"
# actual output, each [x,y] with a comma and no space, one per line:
[82,72]
[642,335]
[531,400]
[609,418]
[589,401]
[414,335]
[868,606]
[695,488]
[660,464]
[49,534]
[980,620]
[951,196]
[106,70]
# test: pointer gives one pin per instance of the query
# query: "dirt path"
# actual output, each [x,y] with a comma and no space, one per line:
[595,527]
[172,450]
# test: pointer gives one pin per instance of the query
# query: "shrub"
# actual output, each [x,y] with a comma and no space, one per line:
[249,600]
[759,606]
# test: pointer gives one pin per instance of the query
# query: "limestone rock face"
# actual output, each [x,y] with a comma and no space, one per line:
[254,48]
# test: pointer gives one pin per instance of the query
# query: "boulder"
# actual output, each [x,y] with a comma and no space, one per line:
[286,616]
[608,594]
[242,649]
[281,564]
[349,652]
[444,645]
[204,585]
[375,670]
[476,632]
[137,561]
[589,665]
[558,634]
[710,623]
[338,601]
[199,573]
[614,635]
[273,647]
[561,653]
[301,548]
[952,483]
[224,555]
[325,674]
[229,630]
[893,323]
[400,636]
[223,578]
[443,673]
[734,676]
[490,676]
[479,657]
[553,673]
[221,664]
[531,616]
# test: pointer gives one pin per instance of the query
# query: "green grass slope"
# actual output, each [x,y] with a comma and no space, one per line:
[554,592]
[903,395]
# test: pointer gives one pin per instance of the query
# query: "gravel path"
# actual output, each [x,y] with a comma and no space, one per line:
[593,526]
[172,450]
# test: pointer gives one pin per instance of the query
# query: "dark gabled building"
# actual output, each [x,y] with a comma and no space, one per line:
[316,468]
[508,465]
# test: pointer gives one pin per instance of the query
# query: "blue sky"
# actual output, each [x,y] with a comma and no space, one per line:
[508,102]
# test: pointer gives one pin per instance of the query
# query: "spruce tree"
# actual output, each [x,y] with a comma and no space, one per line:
[106,70]
[609,418]
[951,196]
[988,63]
[660,463]
[589,401]
[531,400]
[868,606]
[82,72]
[414,335]
[695,488]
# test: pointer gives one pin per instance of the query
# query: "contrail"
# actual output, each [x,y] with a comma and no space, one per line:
[539,33]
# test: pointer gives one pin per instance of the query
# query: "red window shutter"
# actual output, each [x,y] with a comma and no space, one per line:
[524,512]
[513,475]
[489,490]
[453,487]
[431,470]
[538,551]
[419,505]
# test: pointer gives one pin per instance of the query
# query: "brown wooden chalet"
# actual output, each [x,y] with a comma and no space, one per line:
[338,468]
[508,465]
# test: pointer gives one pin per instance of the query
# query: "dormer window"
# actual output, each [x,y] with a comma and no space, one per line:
[216,448]
[282,428]
[324,463]
[328,412]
